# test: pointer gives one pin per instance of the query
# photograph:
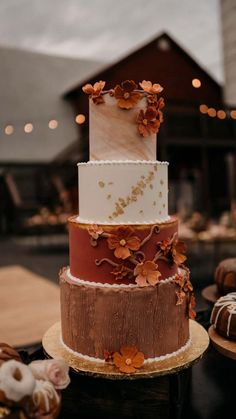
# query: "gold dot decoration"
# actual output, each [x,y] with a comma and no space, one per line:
[161,182]
[101,184]
[155,167]
[154,203]
[109,196]
[141,212]
[160,194]
[164,205]
[151,186]
[110,183]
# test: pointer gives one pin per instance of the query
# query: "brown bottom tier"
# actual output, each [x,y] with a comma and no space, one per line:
[95,319]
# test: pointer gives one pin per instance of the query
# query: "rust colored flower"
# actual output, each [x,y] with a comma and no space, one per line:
[180,297]
[95,231]
[147,86]
[160,103]
[166,246]
[126,94]
[123,241]
[180,280]
[178,250]
[191,306]
[95,91]
[121,271]
[129,359]
[147,273]
[147,121]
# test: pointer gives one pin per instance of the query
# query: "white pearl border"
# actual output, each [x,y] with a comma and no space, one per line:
[79,281]
[146,361]
[119,162]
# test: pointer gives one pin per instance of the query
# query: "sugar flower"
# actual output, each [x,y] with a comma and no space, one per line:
[147,274]
[129,359]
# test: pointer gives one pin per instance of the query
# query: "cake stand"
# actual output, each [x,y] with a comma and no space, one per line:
[210,294]
[54,348]
[225,346]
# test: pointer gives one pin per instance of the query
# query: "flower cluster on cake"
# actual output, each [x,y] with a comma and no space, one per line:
[126,297]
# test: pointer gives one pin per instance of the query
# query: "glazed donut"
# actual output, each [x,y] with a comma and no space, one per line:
[46,400]
[16,382]
[223,316]
[225,276]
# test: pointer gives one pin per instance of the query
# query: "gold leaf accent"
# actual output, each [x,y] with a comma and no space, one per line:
[164,205]
[151,186]
[109,196]
[154,203]
[155,167]
[161,182]
[141,212]
[101,184]
[110,183]
[160,194]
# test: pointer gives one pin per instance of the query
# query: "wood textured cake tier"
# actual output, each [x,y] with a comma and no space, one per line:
[96,319]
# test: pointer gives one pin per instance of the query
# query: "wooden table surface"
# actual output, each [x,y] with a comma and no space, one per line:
[29,305]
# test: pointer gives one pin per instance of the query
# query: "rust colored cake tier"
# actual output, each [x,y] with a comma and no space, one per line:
[99,318]
[93,257]
[225,276]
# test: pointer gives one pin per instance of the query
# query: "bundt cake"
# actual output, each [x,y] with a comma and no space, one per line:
[225,276]
[223,316]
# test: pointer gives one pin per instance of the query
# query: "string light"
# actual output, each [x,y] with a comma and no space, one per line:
[196,83]
[221,114]
[233,114]
[9,129]
[203,108]
[80,119]
[28,128]
[211,112]
[53,124]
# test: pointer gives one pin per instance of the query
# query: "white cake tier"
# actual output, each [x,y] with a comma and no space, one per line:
[123,192]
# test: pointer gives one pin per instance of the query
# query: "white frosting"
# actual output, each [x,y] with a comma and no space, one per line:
[146,361]
[13,388]
[46,394]
[105,285]
[123,192]
[228,301]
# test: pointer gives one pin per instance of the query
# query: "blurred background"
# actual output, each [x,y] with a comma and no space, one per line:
[49,50]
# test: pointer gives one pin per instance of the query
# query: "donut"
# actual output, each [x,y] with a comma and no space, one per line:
[16,382]
[46,399]
[223,316]
[225,276]
[7,353]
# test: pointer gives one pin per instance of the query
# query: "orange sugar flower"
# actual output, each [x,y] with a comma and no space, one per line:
[180,297]
[126,94]
[95,231]
[191,306]
[121,271]
[147,86]
[166,245]
[123,241]
[178,250]
[180,280]
[95,89]
[129,359]
[146,273]
[147,121]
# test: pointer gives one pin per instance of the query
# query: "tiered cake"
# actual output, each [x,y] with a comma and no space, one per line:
[126,284]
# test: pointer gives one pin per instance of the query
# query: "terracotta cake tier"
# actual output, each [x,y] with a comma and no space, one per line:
[99,318]
[93,260]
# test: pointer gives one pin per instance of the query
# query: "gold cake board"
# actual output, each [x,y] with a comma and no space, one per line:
[54,348]
[225,346]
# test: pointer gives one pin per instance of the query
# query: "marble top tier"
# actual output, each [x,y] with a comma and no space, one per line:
[114,135]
